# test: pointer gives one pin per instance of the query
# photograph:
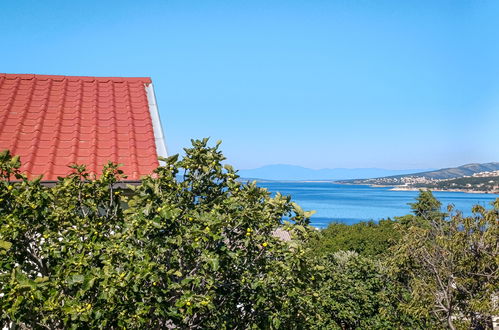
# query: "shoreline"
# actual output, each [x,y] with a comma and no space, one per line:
[443,190]
[392,187]
[405,188]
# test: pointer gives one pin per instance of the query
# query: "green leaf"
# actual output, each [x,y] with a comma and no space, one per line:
[89,282]
[308,214]
[41,279]
[5,245]
[214,264]
[301,228]
[76,279]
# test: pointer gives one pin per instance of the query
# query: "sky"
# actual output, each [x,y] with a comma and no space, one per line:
[320,84]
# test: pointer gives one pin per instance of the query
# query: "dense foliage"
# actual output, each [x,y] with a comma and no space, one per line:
[450,263]
[193,247]
[192,253]
[369,239]
[438,269]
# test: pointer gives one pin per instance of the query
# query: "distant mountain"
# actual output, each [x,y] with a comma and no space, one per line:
[459,172]
[444,173]
[298,173]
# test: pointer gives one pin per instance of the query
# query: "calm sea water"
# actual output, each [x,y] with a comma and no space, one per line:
[353,203]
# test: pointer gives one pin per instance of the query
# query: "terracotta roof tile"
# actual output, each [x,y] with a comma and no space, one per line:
[55,121]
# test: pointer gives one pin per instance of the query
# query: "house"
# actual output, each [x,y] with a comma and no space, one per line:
[52,122]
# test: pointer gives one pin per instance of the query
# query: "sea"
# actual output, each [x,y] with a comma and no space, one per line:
[351,204]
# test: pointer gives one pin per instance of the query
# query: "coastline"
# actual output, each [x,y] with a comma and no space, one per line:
[405,188]
[449,190]
[392,187]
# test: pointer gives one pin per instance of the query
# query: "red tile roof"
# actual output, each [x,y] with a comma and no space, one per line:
[55,121]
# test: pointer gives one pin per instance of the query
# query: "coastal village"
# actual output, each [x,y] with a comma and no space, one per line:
[480,182]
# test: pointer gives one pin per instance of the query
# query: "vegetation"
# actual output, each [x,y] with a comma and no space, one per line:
[369,239]
[450,264]
[441,269]
[191,253]
[191,248]
[487,184]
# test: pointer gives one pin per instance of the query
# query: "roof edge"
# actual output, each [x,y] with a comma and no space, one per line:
[159,136]
[145,80]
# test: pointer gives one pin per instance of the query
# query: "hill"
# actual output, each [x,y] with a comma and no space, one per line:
[459,172]
[298,173]
[466,177]
[444,173]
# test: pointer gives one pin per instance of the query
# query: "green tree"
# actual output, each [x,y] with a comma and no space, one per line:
[195,252]
[449,265]
[425,209]
[426,205]
[353,292]
[369,239]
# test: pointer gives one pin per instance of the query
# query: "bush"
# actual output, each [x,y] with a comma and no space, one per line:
[195,252]
[369,239]
[449,264]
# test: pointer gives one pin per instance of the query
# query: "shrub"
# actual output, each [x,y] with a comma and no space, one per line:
[191,247]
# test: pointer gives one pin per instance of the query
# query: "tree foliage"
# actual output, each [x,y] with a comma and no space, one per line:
[191,247]
[450,264]
[355,293]
[369,239]
[195,252]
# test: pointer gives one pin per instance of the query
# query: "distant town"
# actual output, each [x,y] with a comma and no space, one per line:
[466,178]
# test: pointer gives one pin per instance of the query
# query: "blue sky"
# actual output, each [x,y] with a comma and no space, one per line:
[389,84]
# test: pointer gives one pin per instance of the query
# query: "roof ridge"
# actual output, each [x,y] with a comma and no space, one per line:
[146,80]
